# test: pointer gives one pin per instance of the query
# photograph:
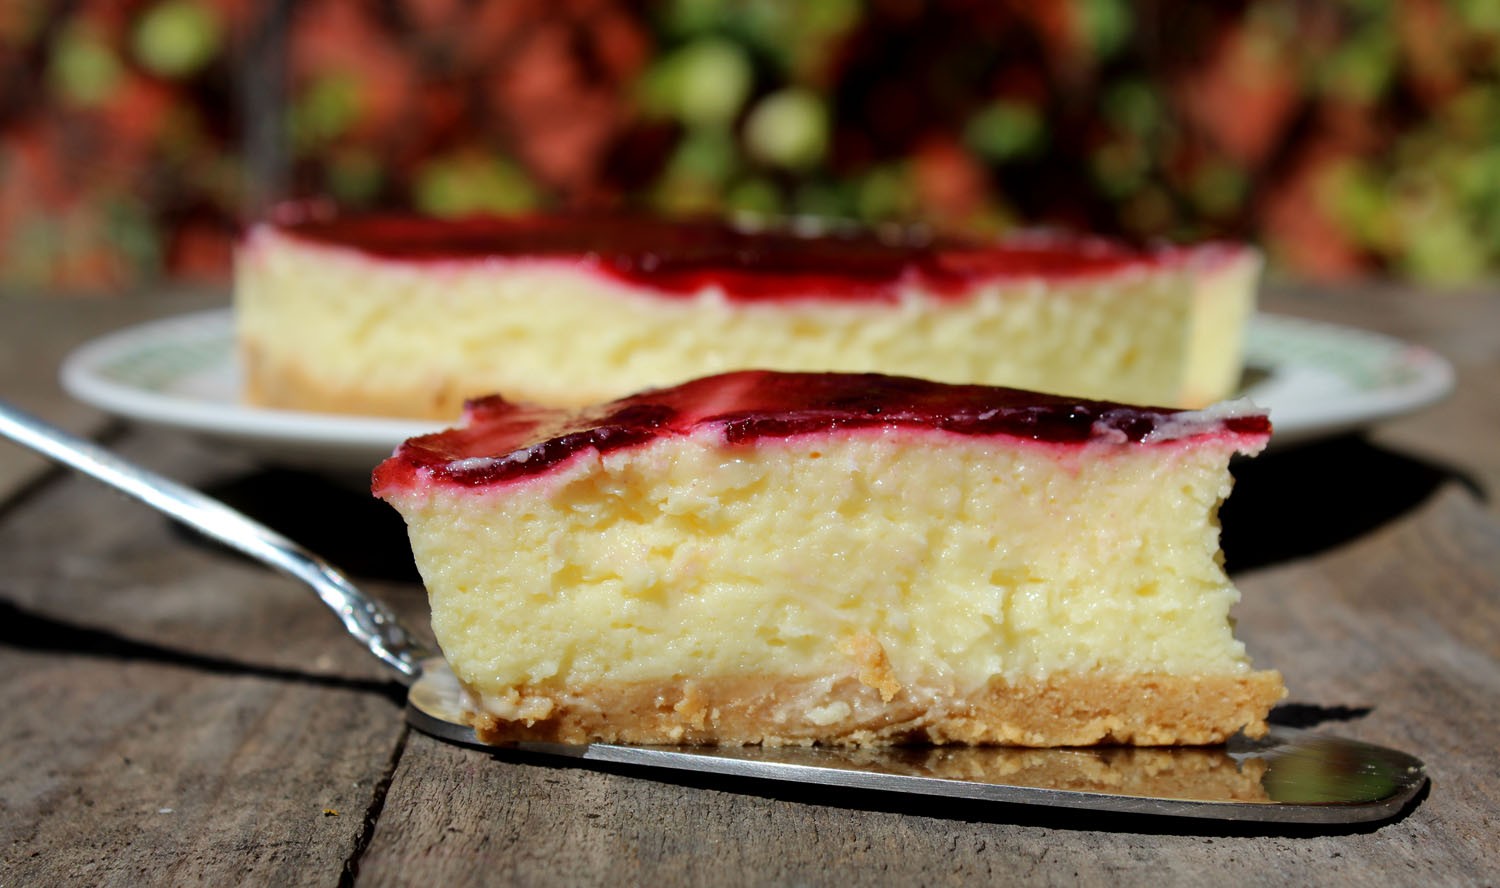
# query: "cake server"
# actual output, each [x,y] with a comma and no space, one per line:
[1289,776]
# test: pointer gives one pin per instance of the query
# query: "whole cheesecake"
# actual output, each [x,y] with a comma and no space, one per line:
[406,316]
[766,557]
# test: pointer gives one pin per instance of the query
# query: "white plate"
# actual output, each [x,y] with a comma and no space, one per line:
[181,372]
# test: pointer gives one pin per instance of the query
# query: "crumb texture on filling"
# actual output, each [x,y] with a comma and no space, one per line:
[330,330]
[884,574]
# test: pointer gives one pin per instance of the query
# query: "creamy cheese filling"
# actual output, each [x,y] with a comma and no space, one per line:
[918,562]
[348,327]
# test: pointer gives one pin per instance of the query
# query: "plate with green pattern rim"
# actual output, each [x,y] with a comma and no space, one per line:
[1320,379]
[182,372]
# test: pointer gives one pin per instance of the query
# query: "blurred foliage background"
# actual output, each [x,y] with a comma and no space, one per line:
[1347,137]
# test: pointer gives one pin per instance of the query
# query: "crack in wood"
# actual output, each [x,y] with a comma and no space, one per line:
[372,813]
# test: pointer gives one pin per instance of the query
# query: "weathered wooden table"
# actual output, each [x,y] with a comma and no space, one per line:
[171,713]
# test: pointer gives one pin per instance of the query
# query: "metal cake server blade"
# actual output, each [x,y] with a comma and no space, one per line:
[1289,776]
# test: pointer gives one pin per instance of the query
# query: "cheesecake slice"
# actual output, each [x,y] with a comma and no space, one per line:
[787,558]
[404,316]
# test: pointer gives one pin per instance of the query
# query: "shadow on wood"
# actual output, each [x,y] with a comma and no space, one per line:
[346,526]
[21,629]
[1299,502]
[1310,715]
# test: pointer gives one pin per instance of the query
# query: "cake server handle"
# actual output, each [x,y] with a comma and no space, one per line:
[372,623]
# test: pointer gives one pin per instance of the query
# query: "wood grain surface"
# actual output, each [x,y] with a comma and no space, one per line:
[174,714]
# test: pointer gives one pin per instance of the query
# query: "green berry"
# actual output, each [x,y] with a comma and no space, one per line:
[788,129]
[177,37]
[83,67]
